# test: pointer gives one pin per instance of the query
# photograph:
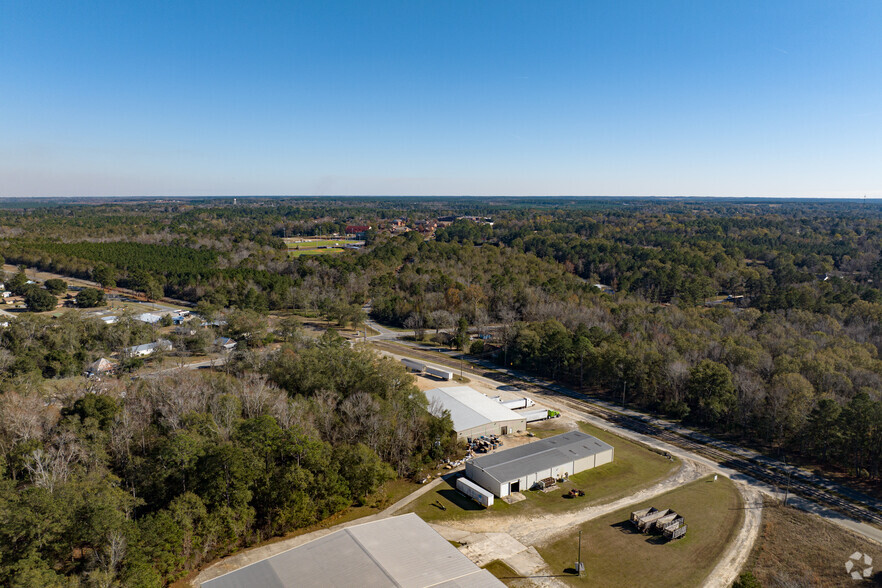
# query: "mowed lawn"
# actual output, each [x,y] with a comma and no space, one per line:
[316,243]
[327,251]
[633,467]
[616,554]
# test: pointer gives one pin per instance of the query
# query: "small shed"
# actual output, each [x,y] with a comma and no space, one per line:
[99,367]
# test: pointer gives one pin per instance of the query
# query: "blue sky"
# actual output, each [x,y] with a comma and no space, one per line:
[747,98]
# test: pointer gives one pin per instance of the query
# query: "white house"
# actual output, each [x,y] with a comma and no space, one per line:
[148,348]
[225,343]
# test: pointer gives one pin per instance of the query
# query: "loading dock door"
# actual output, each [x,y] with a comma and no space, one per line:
[516,486]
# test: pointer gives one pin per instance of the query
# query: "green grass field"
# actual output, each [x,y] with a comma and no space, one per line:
[329,251]
[313,243]
[615,554]
[634,467]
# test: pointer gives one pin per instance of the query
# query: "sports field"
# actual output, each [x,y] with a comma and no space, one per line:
[299,243]
[298,246]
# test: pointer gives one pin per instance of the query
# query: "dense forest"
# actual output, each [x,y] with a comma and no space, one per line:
[757,320]
[137,483]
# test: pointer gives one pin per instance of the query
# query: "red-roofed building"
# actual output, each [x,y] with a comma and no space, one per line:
[357,229]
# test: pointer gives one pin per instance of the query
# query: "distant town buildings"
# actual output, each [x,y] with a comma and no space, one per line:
[359,231]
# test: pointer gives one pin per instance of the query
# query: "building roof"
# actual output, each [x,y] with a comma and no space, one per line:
[523,460]
[398,551]
[158,344]
[469,408]
[148,317]
[100,365]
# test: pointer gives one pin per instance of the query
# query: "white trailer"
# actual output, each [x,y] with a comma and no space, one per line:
[519,403]
[439,373]
[475,492]
[414,366]
[534,415]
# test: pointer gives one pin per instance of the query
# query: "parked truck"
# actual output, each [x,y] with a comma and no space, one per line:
[533,416]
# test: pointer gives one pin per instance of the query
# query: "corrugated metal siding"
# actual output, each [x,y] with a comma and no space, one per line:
[602,458]
[586,463]
[484,480]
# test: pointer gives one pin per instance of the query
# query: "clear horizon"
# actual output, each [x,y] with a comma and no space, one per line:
[631,99]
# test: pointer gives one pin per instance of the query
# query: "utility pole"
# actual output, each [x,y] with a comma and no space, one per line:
[580,567]
[624,388]
[787,488]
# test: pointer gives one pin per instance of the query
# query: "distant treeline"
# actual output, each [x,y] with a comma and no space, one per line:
[782,297]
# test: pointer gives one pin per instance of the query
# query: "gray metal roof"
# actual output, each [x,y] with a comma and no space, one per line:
[469,408]
[523,460]
[399,551]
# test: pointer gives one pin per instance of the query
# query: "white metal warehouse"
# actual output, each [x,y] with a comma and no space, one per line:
[519,468]
[474,414]
[398,551]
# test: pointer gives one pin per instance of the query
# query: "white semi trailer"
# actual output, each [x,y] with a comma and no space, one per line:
[518,403]
[414,366]
[439,373]
[475,492]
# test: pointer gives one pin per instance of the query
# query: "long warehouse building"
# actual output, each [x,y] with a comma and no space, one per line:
[402,552]
[474,414]
[520,467]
